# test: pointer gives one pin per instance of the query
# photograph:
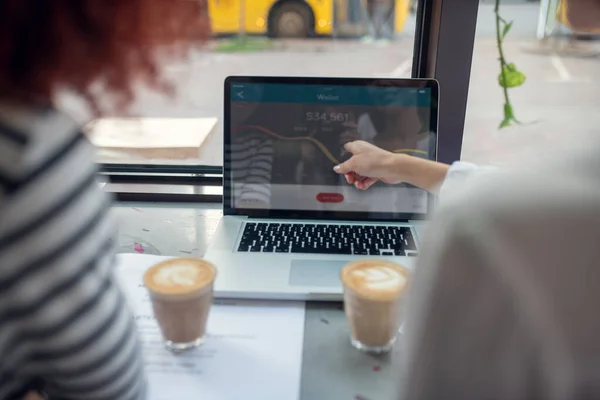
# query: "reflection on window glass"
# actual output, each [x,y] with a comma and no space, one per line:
[561,95]
[331,38]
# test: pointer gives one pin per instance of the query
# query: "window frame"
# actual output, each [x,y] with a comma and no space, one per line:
[444,42]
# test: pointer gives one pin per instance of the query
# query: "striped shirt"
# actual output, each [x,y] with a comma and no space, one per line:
[64,326]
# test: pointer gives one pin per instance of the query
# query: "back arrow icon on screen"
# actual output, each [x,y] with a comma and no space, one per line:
[240,95]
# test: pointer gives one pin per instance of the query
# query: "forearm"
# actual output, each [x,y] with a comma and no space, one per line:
[425,174]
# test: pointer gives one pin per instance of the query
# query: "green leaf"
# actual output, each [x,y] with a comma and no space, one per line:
[504,124]
[511,77]
[506,29]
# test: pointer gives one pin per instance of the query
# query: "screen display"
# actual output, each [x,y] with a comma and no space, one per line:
[285,140]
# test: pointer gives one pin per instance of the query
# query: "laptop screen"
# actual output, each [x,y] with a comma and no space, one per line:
[284,138]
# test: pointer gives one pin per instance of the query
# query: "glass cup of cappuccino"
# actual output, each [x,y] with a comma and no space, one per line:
[373,301]
[181,291]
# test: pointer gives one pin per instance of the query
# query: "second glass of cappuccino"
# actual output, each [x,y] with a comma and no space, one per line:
[373,301]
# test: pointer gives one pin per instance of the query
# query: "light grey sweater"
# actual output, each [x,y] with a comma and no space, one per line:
[505,302]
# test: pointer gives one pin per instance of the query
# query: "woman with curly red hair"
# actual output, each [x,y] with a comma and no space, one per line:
[64,329]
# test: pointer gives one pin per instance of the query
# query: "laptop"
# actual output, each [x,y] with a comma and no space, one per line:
[290,222]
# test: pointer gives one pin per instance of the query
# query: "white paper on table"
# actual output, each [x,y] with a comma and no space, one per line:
[253,349]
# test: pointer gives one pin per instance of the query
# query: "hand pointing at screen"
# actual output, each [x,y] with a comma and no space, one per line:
[370,164]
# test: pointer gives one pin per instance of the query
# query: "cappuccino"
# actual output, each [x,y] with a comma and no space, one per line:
[181,291]
[373,297]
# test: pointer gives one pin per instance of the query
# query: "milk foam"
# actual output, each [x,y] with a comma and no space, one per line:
[379,278]
[180,274]
[376,279]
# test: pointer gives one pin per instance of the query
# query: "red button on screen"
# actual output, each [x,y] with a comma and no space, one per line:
[330,197]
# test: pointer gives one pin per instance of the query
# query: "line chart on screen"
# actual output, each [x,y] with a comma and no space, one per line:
[314,141]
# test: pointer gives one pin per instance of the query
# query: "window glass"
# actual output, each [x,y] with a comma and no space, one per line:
[330,38]
[560,97]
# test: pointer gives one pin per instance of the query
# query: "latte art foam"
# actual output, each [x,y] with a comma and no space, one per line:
[179,276]
[376,279]
[382,278]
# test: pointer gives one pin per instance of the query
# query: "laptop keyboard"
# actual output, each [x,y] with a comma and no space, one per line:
[372,240]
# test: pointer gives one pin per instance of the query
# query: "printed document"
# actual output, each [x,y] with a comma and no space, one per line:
[253,349]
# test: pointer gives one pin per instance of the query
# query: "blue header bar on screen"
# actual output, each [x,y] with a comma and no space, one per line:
[321,94]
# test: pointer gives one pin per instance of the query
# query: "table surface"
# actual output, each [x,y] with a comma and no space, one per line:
[331,368]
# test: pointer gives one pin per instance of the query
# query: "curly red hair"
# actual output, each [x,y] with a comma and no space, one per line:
[46,45]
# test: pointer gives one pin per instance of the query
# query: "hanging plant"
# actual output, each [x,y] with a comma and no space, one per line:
[510,76]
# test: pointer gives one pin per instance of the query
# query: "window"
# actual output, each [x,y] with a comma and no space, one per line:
[415,38]
[344,38]
[560,97]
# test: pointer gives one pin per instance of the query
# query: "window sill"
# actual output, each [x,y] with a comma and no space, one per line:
[165,193]
[147,184]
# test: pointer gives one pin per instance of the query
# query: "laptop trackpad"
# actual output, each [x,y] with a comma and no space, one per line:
[316,273]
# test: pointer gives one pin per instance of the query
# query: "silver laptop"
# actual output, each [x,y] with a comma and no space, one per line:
[290,222]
